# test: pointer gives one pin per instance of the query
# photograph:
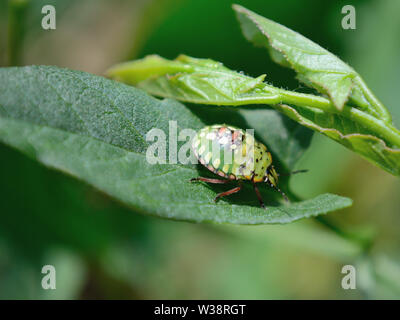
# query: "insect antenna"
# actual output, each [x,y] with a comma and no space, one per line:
[293,172]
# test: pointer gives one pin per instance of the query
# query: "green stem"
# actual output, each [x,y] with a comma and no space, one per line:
[306,100]
[382,129]
[384,114]
[16,30]
[364,243]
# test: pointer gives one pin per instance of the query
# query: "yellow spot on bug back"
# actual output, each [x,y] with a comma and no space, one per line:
[216,163]
[225,168]
[244,148]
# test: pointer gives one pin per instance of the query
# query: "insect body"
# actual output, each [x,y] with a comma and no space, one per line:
[234,154]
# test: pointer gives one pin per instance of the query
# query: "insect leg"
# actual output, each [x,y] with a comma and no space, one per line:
[281,192]
[258,195]
[209,180]
[227,193]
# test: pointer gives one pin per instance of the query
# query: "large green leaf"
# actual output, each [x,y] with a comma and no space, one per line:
[94,129]
[314,65]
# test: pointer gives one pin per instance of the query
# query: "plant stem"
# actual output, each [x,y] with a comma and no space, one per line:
[384,114]
[364,243]
[386,131]
[382,128]
[16,30]
[306,100]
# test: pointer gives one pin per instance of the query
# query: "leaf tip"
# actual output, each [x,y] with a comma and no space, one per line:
[237,7]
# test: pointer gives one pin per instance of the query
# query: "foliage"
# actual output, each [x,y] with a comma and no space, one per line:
[95,129]
[351,115]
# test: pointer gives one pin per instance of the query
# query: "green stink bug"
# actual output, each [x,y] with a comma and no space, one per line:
[234,154]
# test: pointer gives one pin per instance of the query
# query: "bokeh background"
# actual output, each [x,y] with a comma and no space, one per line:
[103,250]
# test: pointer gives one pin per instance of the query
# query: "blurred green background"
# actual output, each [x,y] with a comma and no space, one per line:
[103,250]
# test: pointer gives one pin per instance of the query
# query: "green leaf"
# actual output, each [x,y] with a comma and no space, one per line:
[314,65]
[193,80]
[94,129]
[209,82]
[346,130]
[206,81]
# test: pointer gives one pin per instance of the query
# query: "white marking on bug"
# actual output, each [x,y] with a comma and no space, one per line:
[223,140]
[201,150]
[210,136]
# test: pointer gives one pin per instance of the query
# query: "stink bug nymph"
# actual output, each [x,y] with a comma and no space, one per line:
[234,154]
